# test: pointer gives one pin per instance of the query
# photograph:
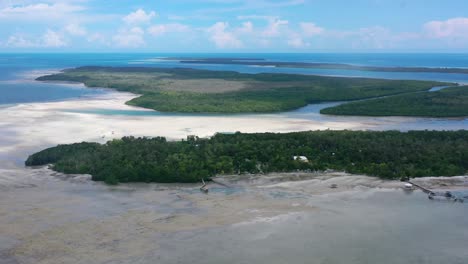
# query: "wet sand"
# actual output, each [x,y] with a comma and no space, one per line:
[47,217]
[26,128]
[69,219]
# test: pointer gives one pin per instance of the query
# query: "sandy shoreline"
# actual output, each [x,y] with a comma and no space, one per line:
[47,217]
[30,127]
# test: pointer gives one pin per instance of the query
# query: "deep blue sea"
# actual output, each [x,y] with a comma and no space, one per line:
[17,71]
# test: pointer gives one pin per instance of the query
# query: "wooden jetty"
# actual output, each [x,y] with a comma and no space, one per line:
[424,189]
[439,195]
[203,188]
[220,183]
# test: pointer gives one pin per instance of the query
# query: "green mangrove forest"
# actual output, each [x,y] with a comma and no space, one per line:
[449,102]
[203,91]
[388,155]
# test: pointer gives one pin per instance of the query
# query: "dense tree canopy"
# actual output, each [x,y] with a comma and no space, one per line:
[449,102]
[198,91]
[389,155]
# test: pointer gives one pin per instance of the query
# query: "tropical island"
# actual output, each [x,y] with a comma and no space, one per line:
[315,65]
[203,91]
[448,102]
[387,154]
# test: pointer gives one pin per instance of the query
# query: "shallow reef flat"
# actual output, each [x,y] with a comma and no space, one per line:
[69,219]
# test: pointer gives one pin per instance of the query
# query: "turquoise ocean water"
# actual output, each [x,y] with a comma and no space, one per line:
[17,71]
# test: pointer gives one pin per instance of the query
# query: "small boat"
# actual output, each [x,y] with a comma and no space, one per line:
[409,186]
[333,186]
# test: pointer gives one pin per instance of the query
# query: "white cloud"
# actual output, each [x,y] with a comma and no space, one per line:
[76,30]
[41,11]
[157,30]
[137,30]
[222,38]
[50,39]
[130,38]
[97,38]
[451,28]
[296,41]
[140,16]
[274,27]
[53,39]
[18,41]
[311,29]
[246,28]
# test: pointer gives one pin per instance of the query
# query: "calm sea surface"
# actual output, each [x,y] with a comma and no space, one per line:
[18,71]
[41,213]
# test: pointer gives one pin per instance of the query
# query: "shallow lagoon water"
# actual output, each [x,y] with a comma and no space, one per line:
[20,70]
[61,219]
[27,66]
[377,229]
[15,92]
[49,218]
[309,113]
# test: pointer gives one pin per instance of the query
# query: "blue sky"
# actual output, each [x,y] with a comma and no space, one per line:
[234,26]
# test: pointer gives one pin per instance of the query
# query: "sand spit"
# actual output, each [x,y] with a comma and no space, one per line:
[29,127]
[48,217]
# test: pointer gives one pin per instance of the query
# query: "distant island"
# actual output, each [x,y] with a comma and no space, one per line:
[316,65]
[388,155]
[202,91]
[449,102]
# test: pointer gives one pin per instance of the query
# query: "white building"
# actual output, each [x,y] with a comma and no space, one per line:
[301,158]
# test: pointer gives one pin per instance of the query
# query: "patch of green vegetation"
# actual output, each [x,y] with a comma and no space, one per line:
[449,102]
[315,65]
[162,89]
[388,155]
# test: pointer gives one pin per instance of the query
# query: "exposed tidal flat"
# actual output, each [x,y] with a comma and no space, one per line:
[48,217]
[279,218]
[27,128]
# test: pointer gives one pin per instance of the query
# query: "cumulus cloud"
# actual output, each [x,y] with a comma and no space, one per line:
[311,29]
[246,28]
[140,16]
[18,41]
[130,38]
[75,30]
[157,30]
[50,39]
[223,38]
[53,39]
[98,38]
[451,28]
[274,27]
[297,41]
